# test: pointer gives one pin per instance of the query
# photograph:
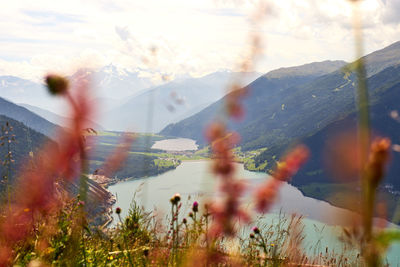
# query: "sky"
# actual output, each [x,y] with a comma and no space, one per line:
[179,37]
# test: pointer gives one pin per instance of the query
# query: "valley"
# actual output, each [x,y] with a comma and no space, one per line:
[188,133]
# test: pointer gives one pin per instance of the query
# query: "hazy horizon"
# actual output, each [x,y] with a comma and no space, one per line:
[189,37]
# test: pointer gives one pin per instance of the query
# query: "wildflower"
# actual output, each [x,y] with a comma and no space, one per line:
[256,230]
[184,221]
[233,106]
[191,214]
[57,85]
[195,206]
[146,252]
[175,199]
[228,212]
[252,236]
[118,210]
[214,131]
[50,250]
[266,194]
[291,163]
[379,156]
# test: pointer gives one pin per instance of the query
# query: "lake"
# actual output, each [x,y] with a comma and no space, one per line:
[194,181]
[178,144]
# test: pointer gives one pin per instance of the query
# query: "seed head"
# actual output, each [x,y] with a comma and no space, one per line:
[175,199]
[256,230]
[56,84]
[118,210]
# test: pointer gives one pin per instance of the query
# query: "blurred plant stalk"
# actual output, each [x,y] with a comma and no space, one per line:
[371,172]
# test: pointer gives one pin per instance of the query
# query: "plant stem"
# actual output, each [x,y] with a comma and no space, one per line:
[368,189]
[125,242]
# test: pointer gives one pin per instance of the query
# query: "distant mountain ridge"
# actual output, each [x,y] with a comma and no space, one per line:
[18,90]
[310,69]
[27,117]
[109,83]
[265,95]
[382,59]
[169,102]
[115,83]
[57,119]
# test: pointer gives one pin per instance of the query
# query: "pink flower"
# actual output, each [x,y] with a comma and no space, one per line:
[291,163]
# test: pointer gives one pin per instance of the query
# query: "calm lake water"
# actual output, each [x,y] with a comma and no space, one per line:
[193,180]
[178,144]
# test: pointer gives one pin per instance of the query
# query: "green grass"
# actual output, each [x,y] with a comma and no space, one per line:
[106,133]
[248,159]
[166,163]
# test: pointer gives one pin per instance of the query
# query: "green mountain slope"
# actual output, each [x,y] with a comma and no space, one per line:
[384,90]
[283,101]
[265,106]
[26,141]
[25,144]
[310,111]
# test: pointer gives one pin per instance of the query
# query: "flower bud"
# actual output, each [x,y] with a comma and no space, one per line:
[256,230]
[195,207]
[146,252]
[175,199]
[118,210]
[378,159]
[56,84]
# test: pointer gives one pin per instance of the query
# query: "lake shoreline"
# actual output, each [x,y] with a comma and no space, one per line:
[204,172]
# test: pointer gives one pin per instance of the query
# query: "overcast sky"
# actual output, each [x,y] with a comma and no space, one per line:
[191,36]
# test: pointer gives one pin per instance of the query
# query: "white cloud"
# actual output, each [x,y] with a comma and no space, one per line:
[191,36]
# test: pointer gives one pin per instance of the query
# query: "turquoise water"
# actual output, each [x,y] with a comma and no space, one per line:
[193,180]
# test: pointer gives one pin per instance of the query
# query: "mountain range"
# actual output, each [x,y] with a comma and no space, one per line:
[112,86]
[57,119]
[158,106]
[262,106]
[125,100]
[301,103]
